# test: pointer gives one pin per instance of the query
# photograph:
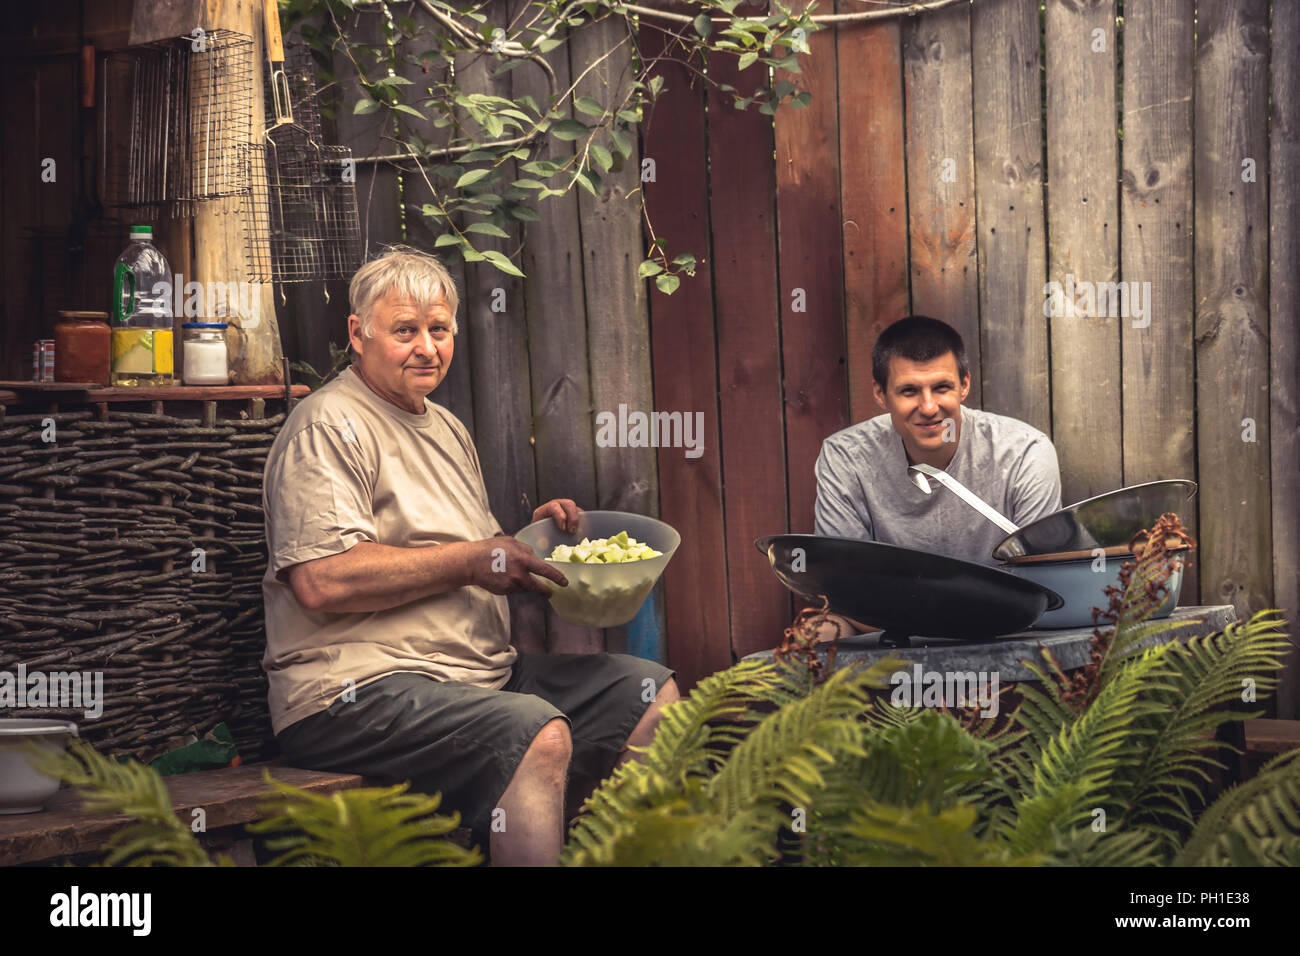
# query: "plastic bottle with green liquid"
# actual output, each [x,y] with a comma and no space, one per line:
[142,314]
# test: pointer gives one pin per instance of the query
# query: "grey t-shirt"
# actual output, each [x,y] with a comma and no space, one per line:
[864,492]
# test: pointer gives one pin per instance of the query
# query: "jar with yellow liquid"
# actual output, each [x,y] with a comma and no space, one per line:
[142,314]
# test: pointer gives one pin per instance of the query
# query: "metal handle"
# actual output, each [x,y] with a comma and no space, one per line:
[918,473]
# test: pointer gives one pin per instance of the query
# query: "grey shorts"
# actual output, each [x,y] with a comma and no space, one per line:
[465,742]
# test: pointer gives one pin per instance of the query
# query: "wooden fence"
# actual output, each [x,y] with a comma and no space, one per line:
[952,164]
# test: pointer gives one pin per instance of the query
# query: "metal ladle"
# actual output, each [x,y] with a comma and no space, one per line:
[918,475]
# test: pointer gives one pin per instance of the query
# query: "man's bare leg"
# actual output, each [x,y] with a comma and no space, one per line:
[644,731]
[534,802]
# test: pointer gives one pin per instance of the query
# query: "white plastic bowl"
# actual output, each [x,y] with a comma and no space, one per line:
[23,789]
[603,595]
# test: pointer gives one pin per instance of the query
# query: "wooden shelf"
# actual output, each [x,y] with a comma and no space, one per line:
[23,393]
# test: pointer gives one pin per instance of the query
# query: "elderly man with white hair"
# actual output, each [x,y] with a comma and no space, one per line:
[388,633]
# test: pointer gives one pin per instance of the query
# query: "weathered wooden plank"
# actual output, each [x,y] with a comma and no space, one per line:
[557,340]
[749,357]
[1008,141]
[1284,335]
[456,393]
[941,176]
[1083,236]
[21,189]
[499,373]
[1231,248]
[1156,250]
[812,272]
[618,336]
[685,371]
[873,194]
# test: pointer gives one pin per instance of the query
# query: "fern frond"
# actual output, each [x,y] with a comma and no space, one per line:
[782,756]
[156,836]
[363,827]
[694,735]
[882,835]
[1083,846]
[1076,765]
[1206,674]
[1256,822]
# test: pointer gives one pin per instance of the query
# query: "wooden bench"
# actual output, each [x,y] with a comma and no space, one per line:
[228,797]
[1265,739]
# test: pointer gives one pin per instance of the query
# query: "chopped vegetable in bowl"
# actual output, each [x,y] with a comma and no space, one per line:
[614,550]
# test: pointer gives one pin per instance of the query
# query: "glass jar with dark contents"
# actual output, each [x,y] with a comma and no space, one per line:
[82,351]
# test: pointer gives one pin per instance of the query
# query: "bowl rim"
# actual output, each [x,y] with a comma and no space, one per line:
[762,543]
[1069,509]
[665,555]
[36,727]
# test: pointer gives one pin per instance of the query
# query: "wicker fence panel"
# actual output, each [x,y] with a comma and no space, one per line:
[132,545]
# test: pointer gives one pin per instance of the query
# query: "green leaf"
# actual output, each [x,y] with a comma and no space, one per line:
[446,239]
[686,261]
[621,142]
[403,108]
[656,84]
[647,268]
[585,183]
[509,65]
[524,213]
[499,260]
[487,229]
[585,104]
[391,81]
[605,160]
[471,177]
[528,184]
[569,129]
[541,167]
[667,284]
[470,253]
[746,60]
[801,100]
[365,106]
[477,156]
[629,116]
[703,25]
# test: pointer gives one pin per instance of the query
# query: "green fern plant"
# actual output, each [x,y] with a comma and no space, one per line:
[361,827]
[781,762]
[1106,767]
[155,837]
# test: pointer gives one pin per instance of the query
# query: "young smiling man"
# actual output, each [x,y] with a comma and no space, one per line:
[388,633]
[921,377]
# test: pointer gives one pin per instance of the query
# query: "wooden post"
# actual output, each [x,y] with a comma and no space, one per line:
[255,349]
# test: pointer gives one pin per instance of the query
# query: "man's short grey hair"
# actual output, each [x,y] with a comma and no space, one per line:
[413,274]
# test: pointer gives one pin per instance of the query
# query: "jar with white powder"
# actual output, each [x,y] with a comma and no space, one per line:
[204,361]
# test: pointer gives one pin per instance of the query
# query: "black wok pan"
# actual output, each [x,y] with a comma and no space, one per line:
[904,591]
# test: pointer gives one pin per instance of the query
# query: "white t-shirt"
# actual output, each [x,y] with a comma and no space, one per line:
[350,466]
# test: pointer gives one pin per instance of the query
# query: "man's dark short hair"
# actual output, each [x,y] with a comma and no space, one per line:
[917,338]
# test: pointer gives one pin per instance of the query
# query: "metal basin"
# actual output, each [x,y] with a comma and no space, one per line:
[1106,521]
[905,591]
[1084,588]
[23,789]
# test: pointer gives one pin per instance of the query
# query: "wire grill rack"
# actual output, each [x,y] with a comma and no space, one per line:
[300,214]
[187,113]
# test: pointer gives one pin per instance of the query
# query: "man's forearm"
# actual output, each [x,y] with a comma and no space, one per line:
[376,577]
